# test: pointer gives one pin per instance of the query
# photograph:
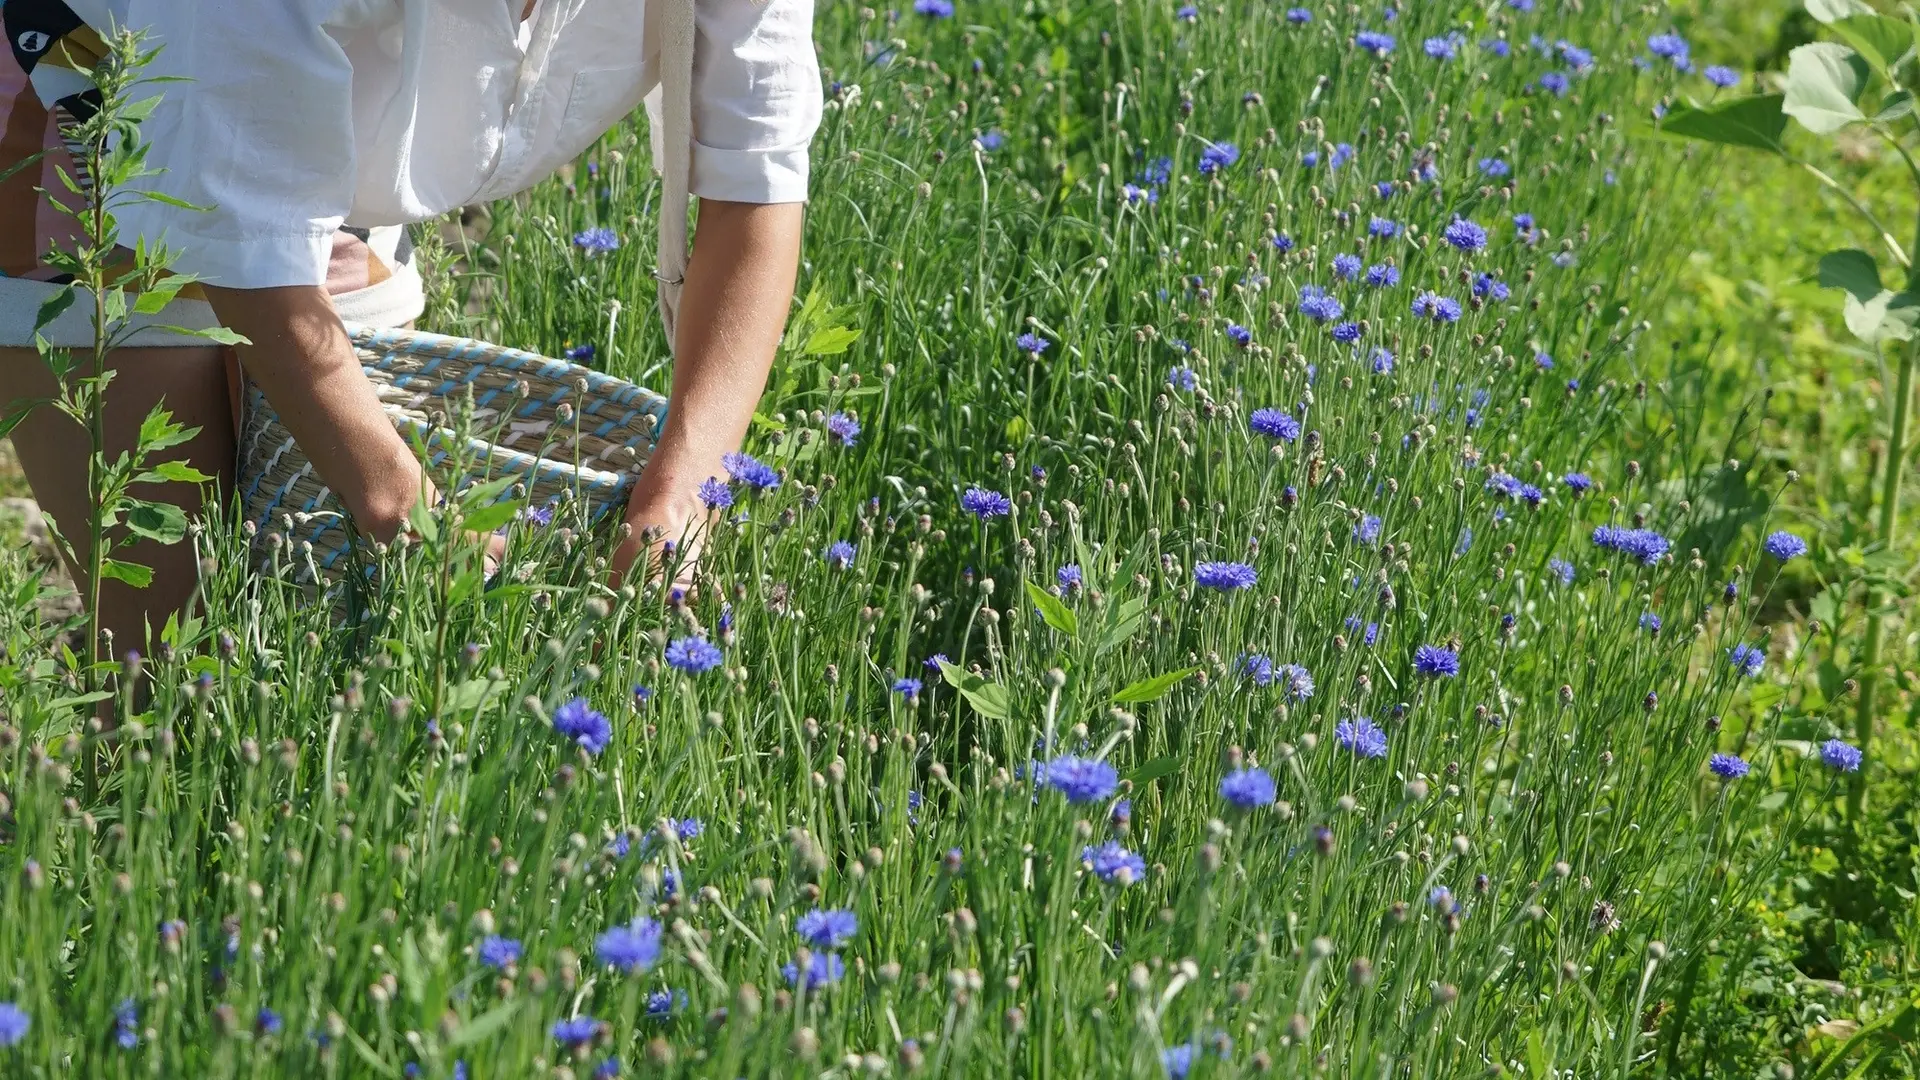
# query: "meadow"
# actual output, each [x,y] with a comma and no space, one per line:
[1222,587]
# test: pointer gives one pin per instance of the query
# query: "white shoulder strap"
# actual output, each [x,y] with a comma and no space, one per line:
[672,129]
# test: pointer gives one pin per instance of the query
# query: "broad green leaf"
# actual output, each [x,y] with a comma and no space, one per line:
[488,493]
[77,700]
[1885,43]
[1755,122]
[172,471]
[159,295]
[484,1025]
[989,699]
[159,432]
[1017,429]
[831,340]
[472,694]
[52,307]
[1888,316]
[162,523]
[1057,615]
[421,519]
[1853,270]
[1832,11]
[132,573]
[1538,1063]
[1894,107]
[219,335]
[1824,81]
[1124,622]
[19,411]
[488,518]
[1153,688]
[1153,770]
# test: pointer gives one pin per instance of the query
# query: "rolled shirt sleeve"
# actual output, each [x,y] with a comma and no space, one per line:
[756,100]
[259,133]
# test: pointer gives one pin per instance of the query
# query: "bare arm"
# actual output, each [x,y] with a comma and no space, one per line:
[732,312]
[302,360]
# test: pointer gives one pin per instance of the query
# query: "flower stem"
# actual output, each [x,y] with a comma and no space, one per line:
[1878,598]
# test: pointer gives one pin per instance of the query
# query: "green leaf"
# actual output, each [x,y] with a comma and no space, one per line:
[1153,770]
[488,518]
[1772,800]
[1538,1063]
[1894,107]
[18,412]
[178,472]
[132,573]
[1832,11]
[159,432]
[52,307]
[989,699]
[1853,270]
[163,523]
[1152,689]
[1754,122]
[421,519]
[831,340]
[77,700]
[157,296]
[1888,316]
[219,335]
[1886,43]
[1124,622]
[484,1025]
[1056,614]
[1824,81]
[472,694]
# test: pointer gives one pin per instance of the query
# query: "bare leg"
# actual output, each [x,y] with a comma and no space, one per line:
[54,451]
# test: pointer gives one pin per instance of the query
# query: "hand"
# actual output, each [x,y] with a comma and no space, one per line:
[659,518]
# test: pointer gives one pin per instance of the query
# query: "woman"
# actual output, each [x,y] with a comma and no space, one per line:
[315,130]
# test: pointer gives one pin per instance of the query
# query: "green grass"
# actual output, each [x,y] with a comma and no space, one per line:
[338,816]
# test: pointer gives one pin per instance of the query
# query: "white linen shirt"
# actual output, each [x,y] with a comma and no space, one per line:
[299,116]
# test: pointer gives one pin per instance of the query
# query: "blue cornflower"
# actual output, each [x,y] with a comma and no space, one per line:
[750,471]
[1561,569]
[1081,779]
[597,241]
[582,723]
[1727,766]
[693,655]
[1840,756]
[1374,42]
[1225,576]
[1342,153]
[1310,159]
[1217,156]
[934,9]
[1383,275]
[1671,46]
[1317,304]
[1183,378]
[1297,681]
[985,504]
[1445,47]
[824,969]
[827,928]
[843,427]
[1496,46]
[665,1003]
[1032,343]
[1274,424]
[1381,361]
[499,952]
[577,1031]
[630,948]
[839,554]
[1574,56]
[610,1068]
[1746,659]
[1491,287]
[579,354]
[14,1023]
[1721,76]
[1135,194]
[1299,15]
[715,494]
[1346,333]
[126,1024]
[1564,260]
[1435,662]
[1361,737]
[1114,864]
[1188,13]
[1465,234]
[1580,482]
[932,663]
[990,140]
[1346,267]
[1282,242]
[1257,668]
[1784,546]
[1367,531]
[1554,82]
[1431,305]
[1239,335]
[908,688]
[1495,167]
[1248,788]
[1177,1061]
[1643,544]
[1523,224]
[267,1022]
[1382,228]
[1069,577]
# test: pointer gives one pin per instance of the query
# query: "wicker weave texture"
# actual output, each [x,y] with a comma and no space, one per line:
[557,426]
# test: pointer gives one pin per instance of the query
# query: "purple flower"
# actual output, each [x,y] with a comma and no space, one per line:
[1274,424]
[990,140]
[630,948]
[579,354]
[1840,756]
[1383,275]
[908,688]
[1722,77]
[839,554]
[1445,47]
[1367,531]
[1346,267]
[1465,234]
[1346,333]
[693,655]
[843,427]
[1299,15]
[1784,546]
[1578,481]
[825,968]
[577,1031]
[1248,788]
[1746,659]
[1360,736]
[1671,46]
[1554,82]
[499,952]
[934,9]
[1381,361]
[14,1023]
[750,471]
[1217,156]
[1239,335]
[1650,622]
[1727,766]
[267,1022]
[1382,228]
[827,928]
[1081,779]
[1643,544]
[1435,662]
[1491,287]
[1496,46]
[1188,13]
[1431,305]
[1032,343]
[583,724]
[1177,1061]
[1561,569]
[715,494]
[985,504]
[1316,304]
[1183,378]
[597,241]
[1495,167]
[1297,681]
[1114,864]
[126,1024]
[1257,668]
[1224,576]
[1374,42]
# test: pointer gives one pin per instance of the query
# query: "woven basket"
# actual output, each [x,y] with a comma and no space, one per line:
[565,431]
